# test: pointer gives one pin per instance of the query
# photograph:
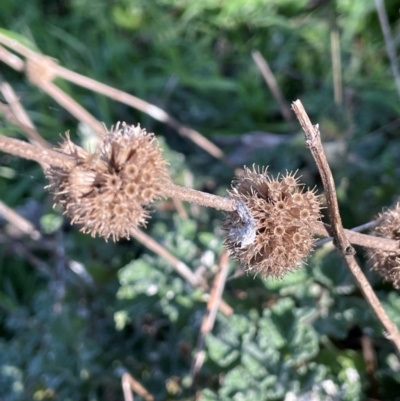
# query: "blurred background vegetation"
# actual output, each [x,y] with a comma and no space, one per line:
[76,312]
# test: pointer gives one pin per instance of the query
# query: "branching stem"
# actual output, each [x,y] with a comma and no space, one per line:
[49,157]
[341,241]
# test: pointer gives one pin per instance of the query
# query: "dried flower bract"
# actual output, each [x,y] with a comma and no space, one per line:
[387,264]
[272,231]
[107,191]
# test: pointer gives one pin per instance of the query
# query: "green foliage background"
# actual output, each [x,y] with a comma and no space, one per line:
[67,334]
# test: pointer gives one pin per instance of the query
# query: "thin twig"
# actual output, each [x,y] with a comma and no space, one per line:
[128,380]
[153,111]
[369,356]
[33,136]
[201,198]
[116,94]
[15,105]
[362,227]
[126,389]
[28,151]
[11,59]
[16,114]
[389,43]
[72,106]
[180,208]
[269,77]
[19,222]
[180,267]
[211,314]
[16,46]
[21,250]
[355,238]
[53,158]
[341,242]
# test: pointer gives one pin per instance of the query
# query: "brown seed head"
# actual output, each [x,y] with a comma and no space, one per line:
[107,191]
[271,230]
[387,264]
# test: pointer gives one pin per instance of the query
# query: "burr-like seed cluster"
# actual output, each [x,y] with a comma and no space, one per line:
[107,192]
[387,264]
[275,233]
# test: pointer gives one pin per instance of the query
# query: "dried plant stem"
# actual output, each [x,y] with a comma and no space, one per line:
[180,267]
[201,198]
[19,222]
[50,157]
[139,104]
[389,42]
[211,314]
[362,227]
[355,238]
[313,141]
[269,77]
[118,95]
[11,59]
[15,105]
[16,114]
[227,204]
[129,383]
[31,133]
[32,152]
[72,106]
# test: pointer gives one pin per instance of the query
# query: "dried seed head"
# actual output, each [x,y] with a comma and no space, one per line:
[271,230]
[387,264]
[107,191]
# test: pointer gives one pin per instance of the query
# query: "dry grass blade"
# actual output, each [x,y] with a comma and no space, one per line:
[113,93]
[269,77]
[129,383]
[139,104]
[73,107]
[126,389]
[15,105]
[32,134]
[180,267]
[313,140]
[389,43]
[369,356]
[16,114]
[20,223]
[180,208]
[11,59]
[211,314]
[21,250]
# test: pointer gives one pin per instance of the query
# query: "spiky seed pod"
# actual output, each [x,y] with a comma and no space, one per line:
[387,264]
[107,191]
[271,230]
